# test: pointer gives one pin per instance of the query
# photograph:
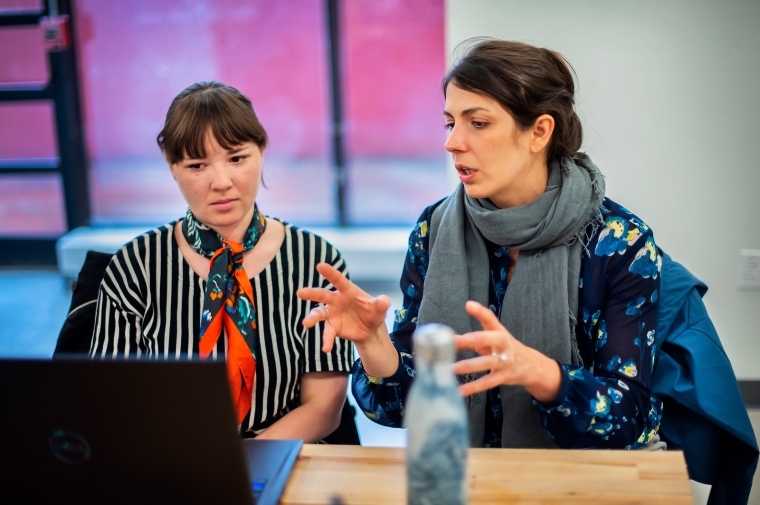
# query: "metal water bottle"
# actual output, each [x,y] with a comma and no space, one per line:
[436,423]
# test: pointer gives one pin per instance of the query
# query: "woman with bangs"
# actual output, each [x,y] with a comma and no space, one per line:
[220,283]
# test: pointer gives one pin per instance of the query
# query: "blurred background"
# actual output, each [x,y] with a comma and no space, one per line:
[134,57]
[667,92]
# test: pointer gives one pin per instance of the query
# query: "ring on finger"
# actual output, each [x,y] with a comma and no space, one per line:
[502,358]
[327,311]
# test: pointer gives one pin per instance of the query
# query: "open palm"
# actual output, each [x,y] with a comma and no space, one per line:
[350,313]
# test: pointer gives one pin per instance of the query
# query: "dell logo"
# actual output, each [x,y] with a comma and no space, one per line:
[69,447]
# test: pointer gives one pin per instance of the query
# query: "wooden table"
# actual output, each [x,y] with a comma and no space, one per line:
[377,475]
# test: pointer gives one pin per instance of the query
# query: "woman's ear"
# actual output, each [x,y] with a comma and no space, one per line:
[542,133]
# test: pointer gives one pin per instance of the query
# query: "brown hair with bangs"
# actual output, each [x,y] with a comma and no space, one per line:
[527,81]
[205,106]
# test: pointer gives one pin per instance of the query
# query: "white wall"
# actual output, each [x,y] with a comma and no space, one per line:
[669,96]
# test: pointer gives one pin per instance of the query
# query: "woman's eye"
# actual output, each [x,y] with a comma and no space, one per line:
[195,166]
[237,159]
[479,124]
[449,126]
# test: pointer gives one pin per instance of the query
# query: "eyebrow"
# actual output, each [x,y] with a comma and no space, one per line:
[467,112]
[231,151]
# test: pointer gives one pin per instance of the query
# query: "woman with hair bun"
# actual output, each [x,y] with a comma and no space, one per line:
[563,281]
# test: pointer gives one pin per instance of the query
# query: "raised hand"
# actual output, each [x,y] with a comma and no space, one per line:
[349,312]
[507,360]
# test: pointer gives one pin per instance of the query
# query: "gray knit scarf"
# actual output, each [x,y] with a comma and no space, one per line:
[541,303]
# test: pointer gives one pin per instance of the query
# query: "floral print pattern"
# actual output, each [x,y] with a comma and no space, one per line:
[605,403]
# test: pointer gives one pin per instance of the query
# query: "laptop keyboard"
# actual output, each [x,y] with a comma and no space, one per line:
[257,487]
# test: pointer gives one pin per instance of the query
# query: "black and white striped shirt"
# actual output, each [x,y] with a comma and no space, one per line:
[150,305]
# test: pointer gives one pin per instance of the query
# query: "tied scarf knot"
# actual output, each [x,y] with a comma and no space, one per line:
[228,304]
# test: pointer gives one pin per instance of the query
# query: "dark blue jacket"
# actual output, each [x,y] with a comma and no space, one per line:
[704,413]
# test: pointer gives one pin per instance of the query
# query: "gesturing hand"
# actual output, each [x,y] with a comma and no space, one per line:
[508,361]
[349,312]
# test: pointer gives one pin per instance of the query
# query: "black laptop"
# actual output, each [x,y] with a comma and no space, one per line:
[136,432]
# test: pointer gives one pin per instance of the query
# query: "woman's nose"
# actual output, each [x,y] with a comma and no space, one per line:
[221,178]
[455,142]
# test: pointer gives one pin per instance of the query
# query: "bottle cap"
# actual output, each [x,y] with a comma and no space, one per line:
[434,342]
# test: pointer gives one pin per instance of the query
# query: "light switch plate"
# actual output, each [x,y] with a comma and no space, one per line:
[749,269]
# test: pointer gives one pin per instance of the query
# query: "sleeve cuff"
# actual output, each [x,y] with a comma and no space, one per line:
[564,385]
[398,376]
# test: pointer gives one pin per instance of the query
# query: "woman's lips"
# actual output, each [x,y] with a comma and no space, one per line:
[224,205]
[466,175]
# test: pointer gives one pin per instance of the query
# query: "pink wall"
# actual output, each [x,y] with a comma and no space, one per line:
[20,5]
[136,55]
[22,57]
[395,59]
[26,128]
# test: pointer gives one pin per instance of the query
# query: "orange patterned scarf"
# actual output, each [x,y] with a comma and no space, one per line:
[228,304]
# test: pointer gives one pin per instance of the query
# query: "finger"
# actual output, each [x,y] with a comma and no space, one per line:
[382,304]
[315,315]
[328,338]
[318,295]
[334,277]
[483,314]
[485,383]
[480,339]
[479,364]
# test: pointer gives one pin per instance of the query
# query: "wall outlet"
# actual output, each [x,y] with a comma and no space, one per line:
[749,269]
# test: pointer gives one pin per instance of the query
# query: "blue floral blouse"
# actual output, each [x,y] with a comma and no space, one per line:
[606,402]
